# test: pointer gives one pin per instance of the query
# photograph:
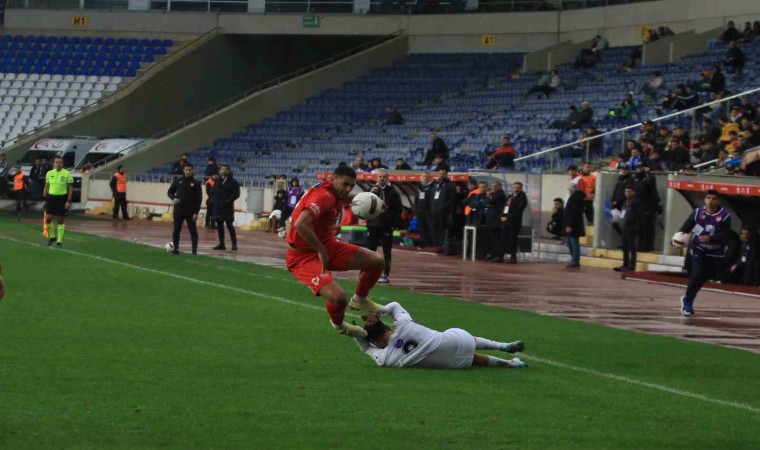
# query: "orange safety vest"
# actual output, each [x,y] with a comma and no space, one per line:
[121,182]
[467,209]
[18,182]
[210,182]
[589,185]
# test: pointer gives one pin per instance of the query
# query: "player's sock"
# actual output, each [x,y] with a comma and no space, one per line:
[61,230]
[506,363]
[336,312]
[487,344]
[367,280]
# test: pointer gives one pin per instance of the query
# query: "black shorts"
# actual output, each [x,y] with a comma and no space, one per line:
[56,205]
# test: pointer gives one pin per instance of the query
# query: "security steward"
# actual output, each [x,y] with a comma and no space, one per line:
[187,197]
[119,191]
[380,229]
[58,191]
[226,191]
[20,186]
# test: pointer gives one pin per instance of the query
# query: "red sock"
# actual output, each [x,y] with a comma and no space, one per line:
[335,311]
[367,280]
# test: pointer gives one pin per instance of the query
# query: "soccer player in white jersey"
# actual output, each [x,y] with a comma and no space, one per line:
[409,344]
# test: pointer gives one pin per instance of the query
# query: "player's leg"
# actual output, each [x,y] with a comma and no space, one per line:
[335,303]
[50,208]
[492,361]
[370,264]
[193,233]
[508,347]
[386,240]
[61,228]
[696,281]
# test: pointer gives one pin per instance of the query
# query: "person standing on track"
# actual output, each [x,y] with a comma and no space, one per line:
[57,194]
[226,191]
[380,230]
[119,191]
[313,251]
[185,193]
[20,187]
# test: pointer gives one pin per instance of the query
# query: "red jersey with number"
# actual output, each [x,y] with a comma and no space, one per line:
[324,206]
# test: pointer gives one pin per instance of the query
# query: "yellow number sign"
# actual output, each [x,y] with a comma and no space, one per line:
[79,21]
[487,40]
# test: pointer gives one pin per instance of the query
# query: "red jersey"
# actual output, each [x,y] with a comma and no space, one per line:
[324,206]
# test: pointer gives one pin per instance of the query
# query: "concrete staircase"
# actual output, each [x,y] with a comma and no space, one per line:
[554,250]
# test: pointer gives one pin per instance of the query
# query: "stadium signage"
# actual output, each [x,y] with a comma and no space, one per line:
[310,21]
[79,21]
[723,188]
[49,144]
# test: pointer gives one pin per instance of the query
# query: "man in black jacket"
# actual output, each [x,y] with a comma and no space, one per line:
[381,228]
[630,225]
[497,198]
[185,193]
[226,191]
[422,209]
[442,207]
[618,195]
[646,191]
[556,226]
[511,219]
[575,227]
[437,148]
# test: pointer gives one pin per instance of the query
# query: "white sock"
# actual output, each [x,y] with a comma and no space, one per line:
[487,344]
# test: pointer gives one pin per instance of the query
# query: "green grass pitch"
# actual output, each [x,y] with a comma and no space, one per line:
[108,344]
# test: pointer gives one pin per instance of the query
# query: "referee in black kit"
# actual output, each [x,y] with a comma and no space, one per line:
[185,193]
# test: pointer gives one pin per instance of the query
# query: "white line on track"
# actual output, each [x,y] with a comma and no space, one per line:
[610,376]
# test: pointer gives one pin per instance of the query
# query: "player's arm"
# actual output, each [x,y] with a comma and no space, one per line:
[69,190]
[45,191]
[397,312]
[689,224]
[198,197]
[305,228]
[172,192]
[235,194]
[374,352]
[112,184]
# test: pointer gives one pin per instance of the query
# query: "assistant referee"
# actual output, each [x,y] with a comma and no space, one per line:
[59,188]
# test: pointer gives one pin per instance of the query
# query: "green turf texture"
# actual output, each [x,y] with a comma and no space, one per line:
[98,355]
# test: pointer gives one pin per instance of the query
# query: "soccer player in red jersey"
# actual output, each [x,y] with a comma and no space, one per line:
[313,251]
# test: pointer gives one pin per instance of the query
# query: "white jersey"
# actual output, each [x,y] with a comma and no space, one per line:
[409,344]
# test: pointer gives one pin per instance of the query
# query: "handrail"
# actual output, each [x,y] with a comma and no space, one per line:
[704,164]
[120,93]
[254,90]
[638,125]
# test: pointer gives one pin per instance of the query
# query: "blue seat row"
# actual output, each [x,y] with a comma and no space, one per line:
[83,48]
[32,39]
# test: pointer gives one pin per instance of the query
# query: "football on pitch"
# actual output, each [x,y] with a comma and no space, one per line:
[169,246]
[367,206]
[680,240]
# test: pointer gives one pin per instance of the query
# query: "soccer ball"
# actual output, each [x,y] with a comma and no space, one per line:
[169,246]
[680,240]
[367,206]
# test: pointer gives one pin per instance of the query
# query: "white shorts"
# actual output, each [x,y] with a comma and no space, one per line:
[455,352]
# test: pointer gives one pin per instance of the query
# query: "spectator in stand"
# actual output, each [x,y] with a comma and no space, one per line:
[211,168]
[442,208]
[594,146]
[748,34]
[680,134]
[422,205]
[589,189]
[630,145]
[393,116]
[556,225]
[375,164]
[735,58]
[717,80]
[555,81]
[437,148]
[646,191]
[722,158]
[630,225]
[359,165]
[402,165]
[439,164]
[748,109]
[735,115]
[497,199]
[730,33]
[636,159]
[663,138]
[726,128]
[576,118]
[574,228]
[676,156]
[280,212]
[680,99]
[504,156]
[179,165]
[658,164]
[652,86]
[295,192]
[511,220]
[710,133]
[597,45]
[625,109]
[380,230]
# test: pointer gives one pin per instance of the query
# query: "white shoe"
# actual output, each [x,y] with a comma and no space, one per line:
[350,330]
[384,279]
[366,304]
[515,363]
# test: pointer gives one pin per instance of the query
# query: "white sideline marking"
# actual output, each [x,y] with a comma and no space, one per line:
[667,283]
[610,376]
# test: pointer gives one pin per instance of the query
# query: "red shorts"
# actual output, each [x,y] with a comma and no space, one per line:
[307,268]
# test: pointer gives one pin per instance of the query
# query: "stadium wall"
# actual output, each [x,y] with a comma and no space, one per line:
[528,31]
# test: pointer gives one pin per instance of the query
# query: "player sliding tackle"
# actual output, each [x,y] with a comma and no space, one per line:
[409,344]
[313,251]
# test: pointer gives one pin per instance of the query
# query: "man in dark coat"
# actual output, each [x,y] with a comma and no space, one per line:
[442,207]
[497,198]
[185,193]
[226,191]
[556,226]
[437,148]
[380,229]
[646,192]
[511,219]
[575,228]
[422,209]
[630,225]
